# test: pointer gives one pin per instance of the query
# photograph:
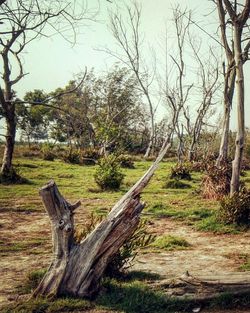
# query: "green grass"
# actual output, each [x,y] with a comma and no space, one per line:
[176,184]
[211,224]
[40,305]
[77,182]
[170,243]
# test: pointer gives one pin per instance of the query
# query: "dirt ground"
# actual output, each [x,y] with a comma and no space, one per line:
[209,254]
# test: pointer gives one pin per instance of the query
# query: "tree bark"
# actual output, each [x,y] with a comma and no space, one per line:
[239,142]
[9,144]
[228,99]
[150,148]
[201,290]
[76,269]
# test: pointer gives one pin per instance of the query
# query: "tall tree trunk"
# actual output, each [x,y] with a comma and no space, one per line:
[239,142]
[9,144]
[150,148]
[228,99]
[78,267]
[191,152]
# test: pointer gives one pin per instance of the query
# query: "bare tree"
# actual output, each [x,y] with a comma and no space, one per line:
[177,96]
[131,45]
[235,14]
[200,86]
[23,21]
[208,71]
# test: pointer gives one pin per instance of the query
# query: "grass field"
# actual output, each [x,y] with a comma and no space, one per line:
[185,206]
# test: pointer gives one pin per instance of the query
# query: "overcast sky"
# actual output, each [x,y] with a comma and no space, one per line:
[52,62]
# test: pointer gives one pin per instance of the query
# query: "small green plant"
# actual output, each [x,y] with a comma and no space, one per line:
[176,184]
[126,161]
[108,175]
[170,242]
[180,171]
[236,209]
[129,250]
[47,152]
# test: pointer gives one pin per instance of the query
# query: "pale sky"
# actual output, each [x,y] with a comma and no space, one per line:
[52,62]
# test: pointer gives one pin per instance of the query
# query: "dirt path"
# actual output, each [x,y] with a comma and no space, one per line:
[208,254]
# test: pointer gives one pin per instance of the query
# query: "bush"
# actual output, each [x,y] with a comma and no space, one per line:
[216,182]
[126,161]
[176,184]
[47,152]
[91,153]
[29,152]
[108,174]
[235,209]
[123,259]
[71,156]
[180,171]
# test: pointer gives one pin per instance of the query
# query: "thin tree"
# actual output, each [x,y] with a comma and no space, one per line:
[131,45]
[177,96]
[229,72]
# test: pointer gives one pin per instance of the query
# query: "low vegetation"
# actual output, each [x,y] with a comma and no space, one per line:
[108,175]
[169,243]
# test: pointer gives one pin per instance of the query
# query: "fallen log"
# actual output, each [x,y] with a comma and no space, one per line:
[77,268]
[204,289]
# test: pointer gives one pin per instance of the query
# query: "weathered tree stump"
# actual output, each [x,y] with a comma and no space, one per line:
[77,268]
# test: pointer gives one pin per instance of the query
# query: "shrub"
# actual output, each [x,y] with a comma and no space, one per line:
[123,259]
[126,161]
[29,152]
[216,182]
[47,152]
[71,156]
[91,153]
[108,174]
[197,166]
[235,209]
[176,184]
[180,171]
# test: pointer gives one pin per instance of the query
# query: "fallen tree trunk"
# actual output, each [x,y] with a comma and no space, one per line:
[76,269]
[201,290]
